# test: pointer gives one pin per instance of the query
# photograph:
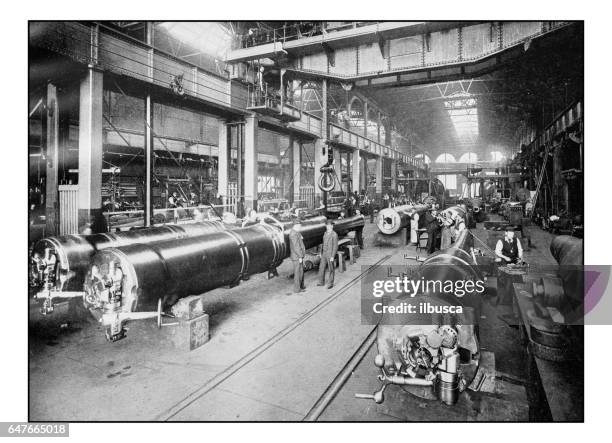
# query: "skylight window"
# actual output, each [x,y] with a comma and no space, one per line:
[463,112]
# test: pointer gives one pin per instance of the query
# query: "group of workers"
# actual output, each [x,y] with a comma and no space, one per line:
[329,249]
[446,226]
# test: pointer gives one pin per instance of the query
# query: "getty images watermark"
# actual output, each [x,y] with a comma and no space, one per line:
[411,294]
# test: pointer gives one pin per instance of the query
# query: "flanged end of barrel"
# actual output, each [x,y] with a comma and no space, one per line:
[389,221]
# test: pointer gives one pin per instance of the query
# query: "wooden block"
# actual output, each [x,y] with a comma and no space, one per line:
[341,263]
[353,250]
[190,334]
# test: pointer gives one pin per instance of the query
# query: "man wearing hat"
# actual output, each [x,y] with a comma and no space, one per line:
[509,248]
[298,251]
[433,227]
[329,249]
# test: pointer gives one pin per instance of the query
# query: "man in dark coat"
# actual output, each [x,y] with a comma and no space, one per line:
[432,225]
[329,248]
[298,251]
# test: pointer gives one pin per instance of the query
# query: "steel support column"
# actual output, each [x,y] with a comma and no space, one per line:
[296,169]
[90,150]
[379,176]
[250,163]
[223,172]
[321,148]
[365,118]
[149,148]
[355,171]
[364,173]
[52,153]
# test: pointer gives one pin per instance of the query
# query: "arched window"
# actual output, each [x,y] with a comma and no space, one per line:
[445,158]
[468,157]
[356,112]
[449,181]
[497,156]
[427,158]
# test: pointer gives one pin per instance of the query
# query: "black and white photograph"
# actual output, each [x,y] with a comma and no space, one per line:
[304,221]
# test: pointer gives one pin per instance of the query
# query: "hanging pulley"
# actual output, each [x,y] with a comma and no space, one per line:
[327,182]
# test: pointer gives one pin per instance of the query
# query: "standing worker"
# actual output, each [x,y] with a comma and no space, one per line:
[432,225]
[446,235]
[298,251]
[329,249]
[509,248]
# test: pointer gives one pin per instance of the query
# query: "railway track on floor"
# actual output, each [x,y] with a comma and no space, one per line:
[341,378]
[232,369]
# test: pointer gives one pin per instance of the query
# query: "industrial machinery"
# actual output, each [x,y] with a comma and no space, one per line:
[557,305]
[391,220]
[138,280]
[458,211]
[58,264]
[439,358]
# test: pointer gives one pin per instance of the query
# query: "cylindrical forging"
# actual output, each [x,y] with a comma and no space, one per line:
[391,220]
[74,252]
[458,211]
[173,269]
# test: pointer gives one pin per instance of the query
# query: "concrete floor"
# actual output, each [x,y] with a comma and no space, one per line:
[271,355]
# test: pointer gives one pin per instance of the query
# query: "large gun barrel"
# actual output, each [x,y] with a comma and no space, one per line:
[458,211]
[391,220]
[61,262]
[139,277]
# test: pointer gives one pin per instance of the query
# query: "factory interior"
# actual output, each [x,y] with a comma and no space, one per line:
[210,204]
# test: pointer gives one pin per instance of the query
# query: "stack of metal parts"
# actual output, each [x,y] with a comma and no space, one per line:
[440,359]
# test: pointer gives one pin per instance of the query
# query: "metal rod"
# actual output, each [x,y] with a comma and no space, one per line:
[149,159]
[332,390]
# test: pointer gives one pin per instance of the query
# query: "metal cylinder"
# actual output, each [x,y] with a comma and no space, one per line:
[568,251]
[74,252]
[447,387]
[173,269]
[458,211]
[170,269]
[391,220]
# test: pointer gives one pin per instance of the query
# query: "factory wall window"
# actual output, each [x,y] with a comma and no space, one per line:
[356,114]
[449,181]
[468,157]
[497,156]
[445,158]
[186,154]
[274,171]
